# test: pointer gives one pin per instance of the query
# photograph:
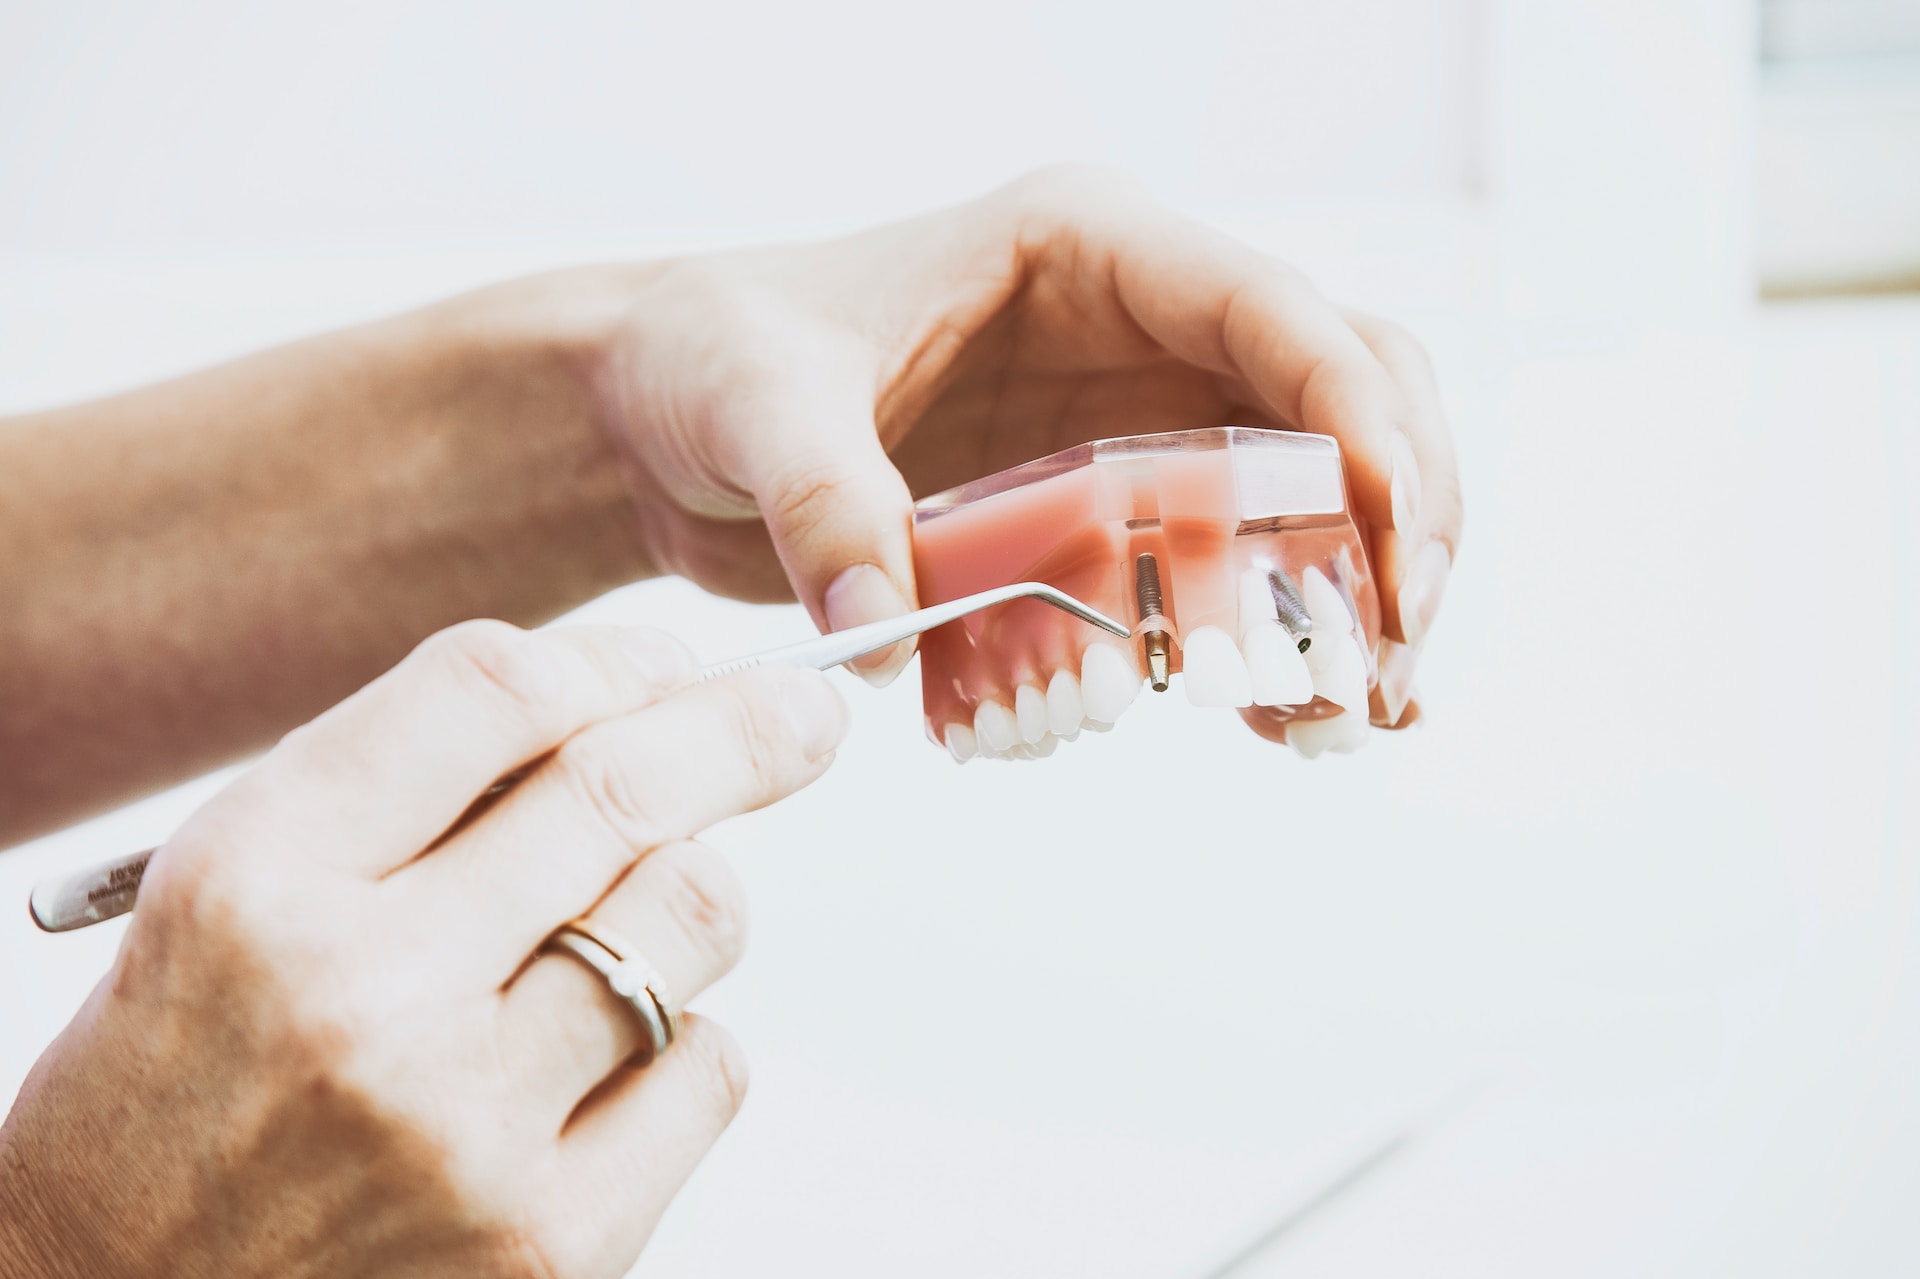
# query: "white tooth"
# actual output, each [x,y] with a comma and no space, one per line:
[1030,709]
[1345,733]
[1108,682]
[1045,746]
[995,726]
[1275,668]
[1064,708]
[1256,599]
[1324,605]
[960,741]
[1355,731]
[1339,669]
[1212,670]
[1096,726]
[1311,736]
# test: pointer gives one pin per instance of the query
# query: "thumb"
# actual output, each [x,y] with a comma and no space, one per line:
[839,513]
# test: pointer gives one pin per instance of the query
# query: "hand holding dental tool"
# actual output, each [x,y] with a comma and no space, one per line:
[110,889]
[422,1031]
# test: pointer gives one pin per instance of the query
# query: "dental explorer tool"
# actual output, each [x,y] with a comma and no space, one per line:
[110,889]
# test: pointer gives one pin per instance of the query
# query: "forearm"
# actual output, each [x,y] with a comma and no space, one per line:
[190,569]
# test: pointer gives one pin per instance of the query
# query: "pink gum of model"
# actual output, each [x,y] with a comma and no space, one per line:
[1219,509]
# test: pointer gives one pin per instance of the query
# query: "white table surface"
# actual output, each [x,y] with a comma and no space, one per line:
[1639,896]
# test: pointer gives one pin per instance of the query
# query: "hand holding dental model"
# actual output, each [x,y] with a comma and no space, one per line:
[351,1029]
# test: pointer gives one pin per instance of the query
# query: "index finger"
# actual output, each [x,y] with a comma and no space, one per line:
[1225,307]
[374,781]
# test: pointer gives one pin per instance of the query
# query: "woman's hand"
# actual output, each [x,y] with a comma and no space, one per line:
[331,1043]
[820,387]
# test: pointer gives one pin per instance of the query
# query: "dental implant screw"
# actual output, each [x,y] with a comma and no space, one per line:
[1291,607]
[1146,590]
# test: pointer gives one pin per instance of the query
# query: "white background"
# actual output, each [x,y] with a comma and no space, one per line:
[1625,930]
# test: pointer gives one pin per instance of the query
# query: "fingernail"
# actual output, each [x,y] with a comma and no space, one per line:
[661,660]
[1421,589]
[1404,483]
[863,594]
[815,711]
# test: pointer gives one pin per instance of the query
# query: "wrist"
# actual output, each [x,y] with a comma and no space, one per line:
[530,360]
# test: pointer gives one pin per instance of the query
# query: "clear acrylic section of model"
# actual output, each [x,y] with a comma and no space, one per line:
[1232,551]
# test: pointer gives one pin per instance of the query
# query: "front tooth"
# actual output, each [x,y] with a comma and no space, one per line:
[1310,736]
[1355,730]
[1064,707]
[1108,682]
[994,726]
[1345,733]
[1256,599]
[1275,668]
[1325,603]
[1030,711]
[1212,670]
[1339,670]
[961,742]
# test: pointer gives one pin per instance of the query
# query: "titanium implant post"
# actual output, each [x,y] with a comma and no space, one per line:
[1291,607]
[1153,623]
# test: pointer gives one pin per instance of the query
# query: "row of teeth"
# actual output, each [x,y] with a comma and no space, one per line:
[1263,666]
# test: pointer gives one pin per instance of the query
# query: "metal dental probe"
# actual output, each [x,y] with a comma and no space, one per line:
[105,891]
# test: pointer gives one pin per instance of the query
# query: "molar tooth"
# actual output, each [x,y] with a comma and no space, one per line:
[1324,602]
[1275,668]
[1212,670]
[1339,670]
[961,742]
[994,726]
[1109,682]
[1065,710]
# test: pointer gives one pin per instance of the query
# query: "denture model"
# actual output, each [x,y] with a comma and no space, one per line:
[1233,551]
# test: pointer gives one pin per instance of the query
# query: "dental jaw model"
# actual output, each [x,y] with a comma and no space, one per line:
[1232,551]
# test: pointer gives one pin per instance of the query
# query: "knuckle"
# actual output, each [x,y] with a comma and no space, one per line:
[711,278]
[1073,190]
[799,496]
[704,895]
[194,890]
[1392,341]
[759,726]
[599,782]
[501,663]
